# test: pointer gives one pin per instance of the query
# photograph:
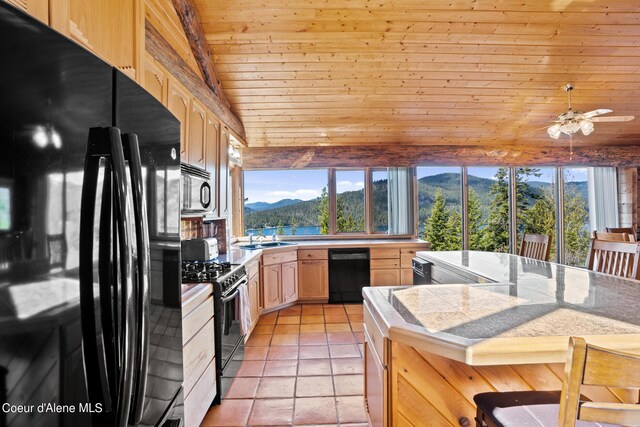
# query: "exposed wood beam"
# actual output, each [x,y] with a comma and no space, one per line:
[438,155]
[190,20]
[163,52]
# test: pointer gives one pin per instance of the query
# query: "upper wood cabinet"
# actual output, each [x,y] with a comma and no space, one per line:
[196,134]
[112,29]
[212,154]
[39,9]
[156,79]
[224,204]
[178,102]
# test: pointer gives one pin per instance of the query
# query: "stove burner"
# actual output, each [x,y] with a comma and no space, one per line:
[204,271]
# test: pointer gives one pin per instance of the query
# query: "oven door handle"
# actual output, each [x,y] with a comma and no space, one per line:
[236,292]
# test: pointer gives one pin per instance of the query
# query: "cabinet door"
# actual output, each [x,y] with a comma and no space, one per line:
[178,103]
[385,277]
[289,282]
[39,9]
[271,285]
[223,184]
[254,297]
[197,126]
[374,387]
[313,279]
[156,79]
[212,154]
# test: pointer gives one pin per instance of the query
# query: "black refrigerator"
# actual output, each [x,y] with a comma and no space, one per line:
[90,307]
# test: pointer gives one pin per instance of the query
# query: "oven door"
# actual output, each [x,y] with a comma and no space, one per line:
[232,339]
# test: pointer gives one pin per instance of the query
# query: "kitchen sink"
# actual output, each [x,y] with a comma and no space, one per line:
[264,245]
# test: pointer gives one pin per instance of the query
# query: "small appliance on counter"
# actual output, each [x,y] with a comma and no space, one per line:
[200,249]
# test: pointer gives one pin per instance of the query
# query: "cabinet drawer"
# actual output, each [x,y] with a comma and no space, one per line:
[313,254]
[384,253]
[374,332]
[196,403]
[406,255]
[385,277]
[279,257]
[253,268]
[197,354]
[384,263]
[197,318]
[197,298]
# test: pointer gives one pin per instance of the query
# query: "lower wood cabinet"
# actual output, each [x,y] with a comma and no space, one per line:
[313,279]
[198,352]
[375,386]
[279,279]
[385,277]
[253,285]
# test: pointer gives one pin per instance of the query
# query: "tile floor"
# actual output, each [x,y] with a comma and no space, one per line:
[302,366]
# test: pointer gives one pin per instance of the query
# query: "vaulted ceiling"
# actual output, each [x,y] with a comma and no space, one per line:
[413,72]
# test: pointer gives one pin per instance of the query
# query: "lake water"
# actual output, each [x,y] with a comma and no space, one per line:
[269,231]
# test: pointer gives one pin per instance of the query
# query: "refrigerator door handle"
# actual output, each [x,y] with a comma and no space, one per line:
[107,143]
[141,365]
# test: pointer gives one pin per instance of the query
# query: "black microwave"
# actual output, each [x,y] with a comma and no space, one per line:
[197,194]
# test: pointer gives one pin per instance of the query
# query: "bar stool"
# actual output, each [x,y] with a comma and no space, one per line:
[586,364]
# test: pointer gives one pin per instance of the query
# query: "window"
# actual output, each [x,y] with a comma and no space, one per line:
[380,201]
[286,202]
[439,207]
[350,199]
[488,209]
[576,216]
[536,207]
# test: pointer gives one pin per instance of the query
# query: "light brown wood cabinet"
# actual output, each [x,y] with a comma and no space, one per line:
[39,9]
[156,79]
[313,279]
[224,204]
[279,278]
[253,285]
[289,277]
[212,156]
[385,263]
[196,134]
[113,29]
[178,102]
[376,374]
[198,355]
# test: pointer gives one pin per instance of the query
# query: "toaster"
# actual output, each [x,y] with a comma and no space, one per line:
[199,249]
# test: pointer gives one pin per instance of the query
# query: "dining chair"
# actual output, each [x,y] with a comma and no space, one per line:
[628,230]
[616,258]
[536,246]
[586,365]
[613,236]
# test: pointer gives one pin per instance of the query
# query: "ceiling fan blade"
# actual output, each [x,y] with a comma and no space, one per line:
[613,119]
[597,112]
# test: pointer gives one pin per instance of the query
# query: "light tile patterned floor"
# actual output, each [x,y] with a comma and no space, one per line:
[302,366]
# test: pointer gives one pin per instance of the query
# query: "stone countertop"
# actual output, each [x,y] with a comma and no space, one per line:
[341,243]
[525,316]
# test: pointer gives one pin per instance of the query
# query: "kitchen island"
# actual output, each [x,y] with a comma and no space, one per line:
[495,322]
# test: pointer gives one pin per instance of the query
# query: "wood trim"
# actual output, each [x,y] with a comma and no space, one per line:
[441,155]
[164,53]
[190,21]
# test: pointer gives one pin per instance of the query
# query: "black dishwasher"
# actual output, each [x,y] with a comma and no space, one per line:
[348,274]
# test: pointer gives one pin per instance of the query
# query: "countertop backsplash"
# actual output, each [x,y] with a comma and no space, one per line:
[196,228]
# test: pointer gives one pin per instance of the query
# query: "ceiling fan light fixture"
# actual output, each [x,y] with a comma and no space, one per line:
[554,131]
[586,127]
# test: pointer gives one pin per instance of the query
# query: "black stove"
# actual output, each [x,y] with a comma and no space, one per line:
[204,271]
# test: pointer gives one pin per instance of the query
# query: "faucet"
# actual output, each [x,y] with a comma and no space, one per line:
[250,238]
[260,238]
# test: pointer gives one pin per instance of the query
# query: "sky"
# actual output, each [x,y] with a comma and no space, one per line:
[273,185]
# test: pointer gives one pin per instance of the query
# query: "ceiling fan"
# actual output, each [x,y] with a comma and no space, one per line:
[571,121]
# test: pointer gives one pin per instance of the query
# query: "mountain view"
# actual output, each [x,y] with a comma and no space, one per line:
[304,213]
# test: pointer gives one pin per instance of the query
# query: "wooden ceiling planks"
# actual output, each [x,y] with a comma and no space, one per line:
[467,73]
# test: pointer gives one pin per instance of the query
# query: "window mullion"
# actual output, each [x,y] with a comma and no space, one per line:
[465,208]
[332,200]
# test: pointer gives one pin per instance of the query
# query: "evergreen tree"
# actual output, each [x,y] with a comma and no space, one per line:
[454,232]
[436,227]
[293,223]
[496,234]
[576,234]
[475,223]
[323,211]
[341,219]
[540,218]
[280,229]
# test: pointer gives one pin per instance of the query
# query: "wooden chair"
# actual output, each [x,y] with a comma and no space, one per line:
[616,258]
[536,246]
[613,237]
[628,230]
[586,365]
